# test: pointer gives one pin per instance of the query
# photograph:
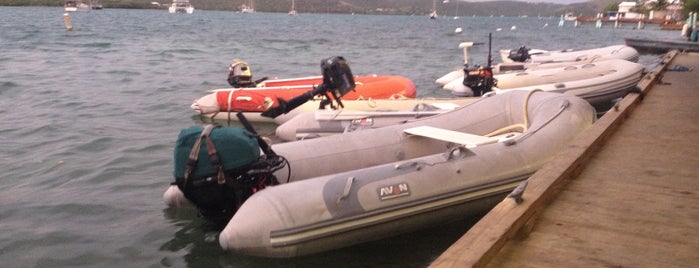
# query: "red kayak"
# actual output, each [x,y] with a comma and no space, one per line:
[261,98]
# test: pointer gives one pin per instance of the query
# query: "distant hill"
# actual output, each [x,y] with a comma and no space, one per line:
[390,7]
[412,7]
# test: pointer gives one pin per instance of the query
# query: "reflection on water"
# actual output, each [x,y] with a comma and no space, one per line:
[417,249]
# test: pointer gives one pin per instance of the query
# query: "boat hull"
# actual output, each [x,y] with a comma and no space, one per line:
[598,82]
[253,101]
[661,46]
[309,123]
[623,52]
[348,189]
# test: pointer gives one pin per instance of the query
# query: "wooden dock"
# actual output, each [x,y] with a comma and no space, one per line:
[625,193]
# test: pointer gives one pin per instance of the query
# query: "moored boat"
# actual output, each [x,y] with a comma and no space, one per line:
[570,55]
[75,5]
[253,101]
[597,82]
[318,123]
[659,46]
[181,6]
[362,186]
[526,60]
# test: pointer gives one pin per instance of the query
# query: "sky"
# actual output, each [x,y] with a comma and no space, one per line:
[535,1]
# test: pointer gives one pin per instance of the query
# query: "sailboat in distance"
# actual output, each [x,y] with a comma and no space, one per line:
[249,8]
[293,8]
[433,15]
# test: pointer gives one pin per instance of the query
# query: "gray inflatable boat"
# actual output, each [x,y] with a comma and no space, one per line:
[367,185]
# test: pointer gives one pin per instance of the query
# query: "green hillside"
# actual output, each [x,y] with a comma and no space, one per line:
[390,7]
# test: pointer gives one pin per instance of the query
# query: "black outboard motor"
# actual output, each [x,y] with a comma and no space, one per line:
[479,79]
[519,55]
[337,81]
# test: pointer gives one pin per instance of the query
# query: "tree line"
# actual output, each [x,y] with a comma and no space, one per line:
[388,7]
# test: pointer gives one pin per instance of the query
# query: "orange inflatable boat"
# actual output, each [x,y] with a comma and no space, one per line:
[263,97]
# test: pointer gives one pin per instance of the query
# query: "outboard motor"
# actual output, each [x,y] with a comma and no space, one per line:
[218,168]
[477,81]
[519,55]
[240,75]
[337,81]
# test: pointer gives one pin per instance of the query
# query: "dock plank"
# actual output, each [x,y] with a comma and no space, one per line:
[633,201]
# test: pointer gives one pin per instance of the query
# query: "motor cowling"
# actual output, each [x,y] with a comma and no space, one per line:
[240,74]
[218,168]
[477,81]
[519,55]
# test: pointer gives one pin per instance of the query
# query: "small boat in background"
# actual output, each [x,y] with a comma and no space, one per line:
[569,16]
[250,8]
[292,11]
[75,5]
[523,54]
[95,4]
[181,6]
[659,46]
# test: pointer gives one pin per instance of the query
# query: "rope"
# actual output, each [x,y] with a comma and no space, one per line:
[523,126]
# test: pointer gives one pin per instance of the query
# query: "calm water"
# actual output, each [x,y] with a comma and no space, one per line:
[90,117]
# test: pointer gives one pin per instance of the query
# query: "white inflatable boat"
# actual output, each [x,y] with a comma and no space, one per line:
[541,59]
[367,185]
[599,83]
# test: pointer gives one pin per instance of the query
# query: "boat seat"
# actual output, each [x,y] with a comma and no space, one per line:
[465,139]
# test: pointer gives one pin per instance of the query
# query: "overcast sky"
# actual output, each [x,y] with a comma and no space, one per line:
[535,1]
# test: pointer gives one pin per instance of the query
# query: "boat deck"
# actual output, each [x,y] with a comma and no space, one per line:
[624,194]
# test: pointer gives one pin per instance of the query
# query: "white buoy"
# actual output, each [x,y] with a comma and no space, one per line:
[458,30]
[513,28]
[498,29]
[66,18]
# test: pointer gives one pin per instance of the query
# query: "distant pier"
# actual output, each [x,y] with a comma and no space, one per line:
[638,23]
[625,193]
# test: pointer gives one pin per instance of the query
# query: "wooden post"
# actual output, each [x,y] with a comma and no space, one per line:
[561,22]
[69,25]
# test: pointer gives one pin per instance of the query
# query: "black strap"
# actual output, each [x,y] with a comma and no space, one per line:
[213,156]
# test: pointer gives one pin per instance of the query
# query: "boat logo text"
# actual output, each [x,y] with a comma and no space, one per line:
[393,191]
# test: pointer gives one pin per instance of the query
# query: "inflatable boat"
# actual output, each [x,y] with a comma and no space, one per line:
[541,59]
[521,54]
[341,190]
[660,46]
[599,83]
[221,102]
[319,123]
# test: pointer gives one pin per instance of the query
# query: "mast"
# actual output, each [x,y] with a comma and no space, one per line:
[433,15]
